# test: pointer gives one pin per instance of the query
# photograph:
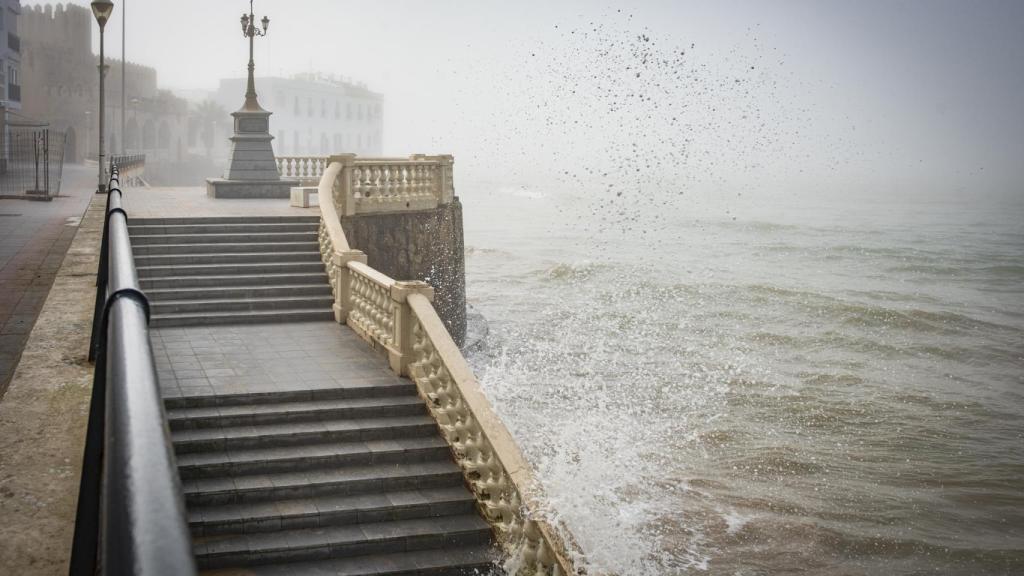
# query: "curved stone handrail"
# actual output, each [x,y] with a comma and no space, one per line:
[399,318]
[495,468]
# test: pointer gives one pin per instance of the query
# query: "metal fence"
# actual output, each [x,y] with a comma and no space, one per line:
[31,163]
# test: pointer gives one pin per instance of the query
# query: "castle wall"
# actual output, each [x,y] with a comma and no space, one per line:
[60,85]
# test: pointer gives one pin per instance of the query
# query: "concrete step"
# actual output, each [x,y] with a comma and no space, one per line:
[462,561]
[229,269]
[383,386]
[232,247]
[222,220]
[302,411]
[137,230]
[251,317]
[343,541]
[320,511]
[238,292]
[295,433]
[227,258]
[233,281]
[161,307]
[262,460]
[337,481]
[241,238]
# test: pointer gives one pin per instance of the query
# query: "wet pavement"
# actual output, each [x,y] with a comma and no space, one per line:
[34,237]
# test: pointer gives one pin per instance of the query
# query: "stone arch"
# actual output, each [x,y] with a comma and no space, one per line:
[131,136]
[149,135]
[70,145]
[163,140]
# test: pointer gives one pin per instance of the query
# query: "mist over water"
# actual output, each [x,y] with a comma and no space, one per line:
[823,387]
[719,364]
[753,271]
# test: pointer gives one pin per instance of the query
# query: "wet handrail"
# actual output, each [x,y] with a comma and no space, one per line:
[131,513]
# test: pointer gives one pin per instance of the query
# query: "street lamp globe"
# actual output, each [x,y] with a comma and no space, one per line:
[101,9]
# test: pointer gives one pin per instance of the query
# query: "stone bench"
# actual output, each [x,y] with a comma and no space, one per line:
[301,194]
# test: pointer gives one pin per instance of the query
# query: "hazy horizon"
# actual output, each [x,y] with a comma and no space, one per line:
[911,99]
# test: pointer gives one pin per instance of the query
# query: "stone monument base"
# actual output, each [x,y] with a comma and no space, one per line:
[221,188]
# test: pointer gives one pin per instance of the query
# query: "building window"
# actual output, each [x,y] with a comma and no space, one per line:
[348,110]
[296,106]
[359,112]
[280,99]
[337,109]
[280,138]
[309,107]
[323,108]
[295,142]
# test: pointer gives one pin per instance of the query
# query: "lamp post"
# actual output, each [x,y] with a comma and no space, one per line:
[101,9]
[252,172]
[250,31]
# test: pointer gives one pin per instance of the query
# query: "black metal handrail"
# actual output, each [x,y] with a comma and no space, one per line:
[131,514]
[127,161]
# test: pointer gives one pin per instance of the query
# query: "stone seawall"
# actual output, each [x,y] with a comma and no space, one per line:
[423,245]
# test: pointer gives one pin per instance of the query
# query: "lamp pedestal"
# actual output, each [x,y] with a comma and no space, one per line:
[252,172]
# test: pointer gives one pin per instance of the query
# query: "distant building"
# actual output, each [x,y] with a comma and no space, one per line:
[314,115]
[10,55]
[61,87]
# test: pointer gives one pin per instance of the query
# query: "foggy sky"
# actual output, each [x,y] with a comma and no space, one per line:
[846,97]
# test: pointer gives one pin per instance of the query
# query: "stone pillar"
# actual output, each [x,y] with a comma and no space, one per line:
[399,357]
[341,278]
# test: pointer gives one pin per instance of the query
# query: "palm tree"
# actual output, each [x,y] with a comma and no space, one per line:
[211,116]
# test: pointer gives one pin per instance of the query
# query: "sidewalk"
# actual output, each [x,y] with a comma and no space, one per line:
[34,236]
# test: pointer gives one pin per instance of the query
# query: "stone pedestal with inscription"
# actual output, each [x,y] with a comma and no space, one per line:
[252,172]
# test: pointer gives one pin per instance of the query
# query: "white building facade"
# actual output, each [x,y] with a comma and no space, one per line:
[314,115]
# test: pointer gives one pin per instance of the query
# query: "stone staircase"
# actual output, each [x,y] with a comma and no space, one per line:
[231,270]
[332,481]
[350,479]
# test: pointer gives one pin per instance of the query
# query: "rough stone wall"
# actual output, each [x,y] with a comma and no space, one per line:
[425,245]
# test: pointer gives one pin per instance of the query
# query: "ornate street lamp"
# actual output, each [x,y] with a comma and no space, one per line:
[252,172]
[102,9]
[250,31]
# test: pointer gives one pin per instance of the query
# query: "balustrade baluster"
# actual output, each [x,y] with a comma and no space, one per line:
[384,184]
[357,182]
[376,180]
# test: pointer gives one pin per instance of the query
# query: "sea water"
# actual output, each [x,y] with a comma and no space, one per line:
[798,385]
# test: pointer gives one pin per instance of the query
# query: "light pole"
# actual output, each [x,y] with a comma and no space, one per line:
[101,9]
[250,31]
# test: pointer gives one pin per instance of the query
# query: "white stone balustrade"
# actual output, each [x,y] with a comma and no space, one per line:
[306,169]
[493,465]
[398,317]
[375,185]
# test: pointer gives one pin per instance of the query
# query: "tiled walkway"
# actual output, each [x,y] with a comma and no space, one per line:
[34,236]
[234,359]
